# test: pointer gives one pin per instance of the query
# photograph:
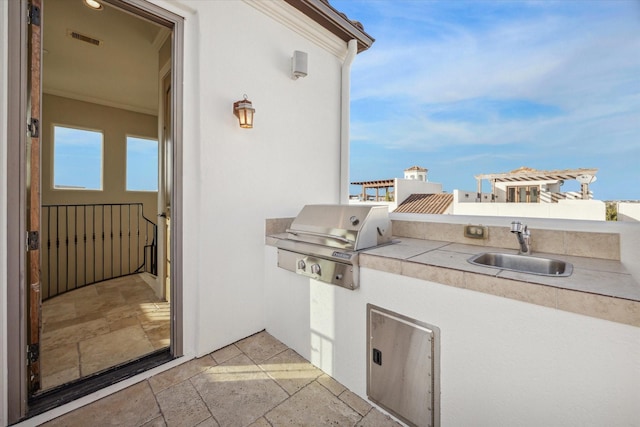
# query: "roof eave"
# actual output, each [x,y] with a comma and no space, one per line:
[337,23]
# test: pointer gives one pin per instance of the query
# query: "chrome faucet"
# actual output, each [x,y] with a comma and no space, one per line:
[523,235]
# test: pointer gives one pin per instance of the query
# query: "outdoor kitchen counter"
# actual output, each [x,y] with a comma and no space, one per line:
[597,287]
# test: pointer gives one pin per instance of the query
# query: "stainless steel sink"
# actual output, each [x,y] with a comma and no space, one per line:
[523,264]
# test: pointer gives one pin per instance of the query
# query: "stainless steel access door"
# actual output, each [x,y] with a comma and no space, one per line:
[403,366]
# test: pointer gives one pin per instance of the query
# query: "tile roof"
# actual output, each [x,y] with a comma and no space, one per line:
[426,203]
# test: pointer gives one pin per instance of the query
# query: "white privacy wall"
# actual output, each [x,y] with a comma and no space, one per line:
[628,211]
[235,178]
[503,362]
[406,187]
[593,210]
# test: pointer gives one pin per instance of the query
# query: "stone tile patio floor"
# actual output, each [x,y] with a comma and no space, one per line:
[257,381]
[99,326]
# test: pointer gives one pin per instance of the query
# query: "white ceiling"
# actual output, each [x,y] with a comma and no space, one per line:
[122,72]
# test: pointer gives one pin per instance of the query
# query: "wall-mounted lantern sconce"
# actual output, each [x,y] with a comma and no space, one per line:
[244,110]
[299,64]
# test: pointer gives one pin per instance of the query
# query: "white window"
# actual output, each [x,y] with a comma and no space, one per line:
[142,164]
[77,158]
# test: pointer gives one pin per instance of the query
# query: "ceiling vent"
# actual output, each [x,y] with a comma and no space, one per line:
[84,38]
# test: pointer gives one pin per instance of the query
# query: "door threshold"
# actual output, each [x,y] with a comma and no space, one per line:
[65,393]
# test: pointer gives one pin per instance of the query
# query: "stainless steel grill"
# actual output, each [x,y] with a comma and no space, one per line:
[324,241]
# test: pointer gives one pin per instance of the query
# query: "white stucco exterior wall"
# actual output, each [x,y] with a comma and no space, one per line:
[406,187]
[235,178]
[503,362]
[565,209]
[628,211]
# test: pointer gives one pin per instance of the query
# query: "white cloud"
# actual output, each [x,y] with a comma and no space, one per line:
[556,59]
[427,82]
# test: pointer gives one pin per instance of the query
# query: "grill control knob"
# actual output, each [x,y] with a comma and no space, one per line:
[301,265]
[315,269]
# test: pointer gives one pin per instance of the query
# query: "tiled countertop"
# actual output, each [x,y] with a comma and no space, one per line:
[598,288]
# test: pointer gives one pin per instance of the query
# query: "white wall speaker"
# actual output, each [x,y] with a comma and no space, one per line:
[298,64]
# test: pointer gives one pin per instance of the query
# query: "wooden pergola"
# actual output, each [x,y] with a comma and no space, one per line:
[379,184]
[529,174]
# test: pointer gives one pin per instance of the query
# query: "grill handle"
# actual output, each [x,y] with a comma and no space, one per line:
[311,233]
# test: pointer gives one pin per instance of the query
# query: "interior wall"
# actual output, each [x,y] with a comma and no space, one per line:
[164,54]
[124,252]
[116,124]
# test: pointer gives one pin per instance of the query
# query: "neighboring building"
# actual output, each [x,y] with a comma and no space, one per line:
[524,192]
[384,186]
[417,173]
[394,191]
[527,185]
[527,192]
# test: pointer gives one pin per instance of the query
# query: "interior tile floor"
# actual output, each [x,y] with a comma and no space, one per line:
[99,326]
[257,381]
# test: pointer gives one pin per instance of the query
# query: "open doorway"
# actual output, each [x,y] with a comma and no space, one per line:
[99,188]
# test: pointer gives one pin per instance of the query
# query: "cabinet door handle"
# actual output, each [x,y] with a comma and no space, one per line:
[377,357]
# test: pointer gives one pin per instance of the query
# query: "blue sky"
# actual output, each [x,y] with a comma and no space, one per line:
[471,87]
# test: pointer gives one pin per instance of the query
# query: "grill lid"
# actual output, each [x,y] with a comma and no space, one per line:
[351,227]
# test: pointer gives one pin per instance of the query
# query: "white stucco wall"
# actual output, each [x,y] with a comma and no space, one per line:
[503,362]
[235,178]
[466,196]
[564,209]
[406,187]
[628,211]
